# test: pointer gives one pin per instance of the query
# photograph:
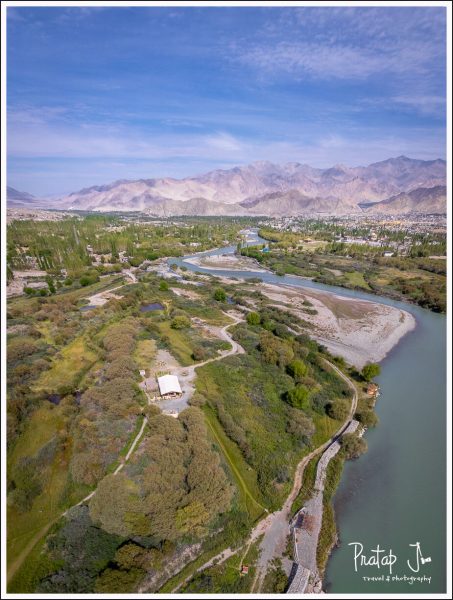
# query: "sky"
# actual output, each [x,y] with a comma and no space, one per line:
[100,94]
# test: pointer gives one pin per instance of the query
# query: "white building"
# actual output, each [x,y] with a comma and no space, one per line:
[169,386]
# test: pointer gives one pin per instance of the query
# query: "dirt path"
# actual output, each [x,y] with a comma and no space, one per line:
[274,541]
[275,526]
[101,298]
[15,566]
[235,349]
[187,374]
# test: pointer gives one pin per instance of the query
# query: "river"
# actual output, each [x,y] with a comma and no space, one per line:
[395,495]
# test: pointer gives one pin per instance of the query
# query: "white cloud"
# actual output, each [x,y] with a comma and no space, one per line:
[425,104]
[224,142]
[336,61]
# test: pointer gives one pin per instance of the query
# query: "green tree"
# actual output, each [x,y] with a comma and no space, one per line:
[163,286]
[368,418]
[352,445]
[297,369]
[338,410]
[370,370]
[117,581]
[180,322]
[253,318]
[298,397]
[192,517]
[115,503]
[220,295]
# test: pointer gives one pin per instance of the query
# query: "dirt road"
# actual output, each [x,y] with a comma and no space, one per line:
[277,530]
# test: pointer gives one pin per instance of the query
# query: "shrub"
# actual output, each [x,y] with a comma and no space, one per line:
[297,369]
[370,370]
[88,279]
[338,410]
[163,286]
[253,318]
[180,322]
[199,353]
[353,446]
[220,295]
[298,397]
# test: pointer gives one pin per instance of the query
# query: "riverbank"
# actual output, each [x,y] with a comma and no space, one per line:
[220,262]
[359,330]
[395,486]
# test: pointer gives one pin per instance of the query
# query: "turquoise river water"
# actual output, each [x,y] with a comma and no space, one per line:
[395,495]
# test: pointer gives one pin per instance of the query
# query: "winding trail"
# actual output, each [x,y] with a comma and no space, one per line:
[186,375]
[274,541]
[235,349]
[275,526]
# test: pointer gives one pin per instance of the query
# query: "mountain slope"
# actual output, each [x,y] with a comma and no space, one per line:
[293,203]
[16,199]
[266,187]
[421,200]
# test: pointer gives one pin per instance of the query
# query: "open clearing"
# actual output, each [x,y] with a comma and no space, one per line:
[45,424]
[243,474]
[67,367]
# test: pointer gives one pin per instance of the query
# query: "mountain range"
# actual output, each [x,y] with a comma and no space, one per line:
[396,185]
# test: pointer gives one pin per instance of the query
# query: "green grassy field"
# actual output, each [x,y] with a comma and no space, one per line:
[68,366]
[178,343]
[57,492]
[145,353]
[243,474]
[356,279]
[325,428]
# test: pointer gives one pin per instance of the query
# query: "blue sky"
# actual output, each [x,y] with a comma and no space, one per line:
[98,94]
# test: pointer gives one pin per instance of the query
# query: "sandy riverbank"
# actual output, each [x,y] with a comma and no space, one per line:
[359,330]
[222,262]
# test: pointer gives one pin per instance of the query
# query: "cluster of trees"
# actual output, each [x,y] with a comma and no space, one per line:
[28,355]
[176,487]
[26,477]
[268,403]
[429,293]
[63,244]
[108,410]
[79,550]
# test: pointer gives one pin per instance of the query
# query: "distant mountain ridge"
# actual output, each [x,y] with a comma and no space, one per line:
[265,188]
[18,199]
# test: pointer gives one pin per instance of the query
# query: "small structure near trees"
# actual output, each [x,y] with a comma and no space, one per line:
[169,386]
[372,390]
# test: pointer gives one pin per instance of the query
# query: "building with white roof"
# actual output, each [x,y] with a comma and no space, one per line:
[169,386]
